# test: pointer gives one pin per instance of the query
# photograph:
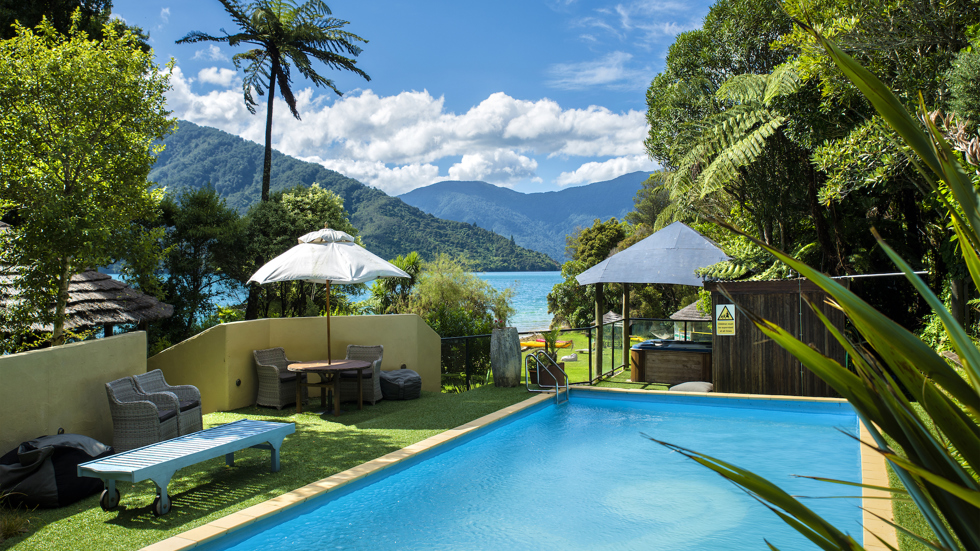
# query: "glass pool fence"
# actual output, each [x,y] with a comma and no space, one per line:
[466,359]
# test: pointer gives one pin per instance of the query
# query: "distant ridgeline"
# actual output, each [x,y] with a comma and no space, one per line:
[538,221]
[196,155]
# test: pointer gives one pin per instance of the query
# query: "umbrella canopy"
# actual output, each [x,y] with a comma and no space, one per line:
[670,255]
[326,256]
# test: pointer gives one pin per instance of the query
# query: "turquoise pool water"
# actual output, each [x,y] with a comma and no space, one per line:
[581,476]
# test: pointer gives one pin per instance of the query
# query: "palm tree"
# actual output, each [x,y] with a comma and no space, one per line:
[284,33]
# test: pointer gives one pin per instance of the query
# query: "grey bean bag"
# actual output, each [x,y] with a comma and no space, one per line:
[401,384]
[43,471]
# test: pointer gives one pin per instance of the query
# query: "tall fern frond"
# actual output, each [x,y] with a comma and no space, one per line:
[727,163]
[783,81]
[743,88]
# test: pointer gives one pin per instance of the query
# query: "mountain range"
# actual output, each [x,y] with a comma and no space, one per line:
[196,155]
[516,231]
[538,221]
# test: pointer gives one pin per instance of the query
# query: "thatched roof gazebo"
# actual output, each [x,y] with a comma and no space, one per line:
[690,313]
[96,300]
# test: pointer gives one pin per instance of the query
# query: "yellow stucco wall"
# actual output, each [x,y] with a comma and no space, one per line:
[64,387]
[215,360]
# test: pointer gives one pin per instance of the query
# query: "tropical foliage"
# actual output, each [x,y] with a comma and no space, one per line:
[921,409]
[283,36]
[752,124]
[391,294]
[77,131]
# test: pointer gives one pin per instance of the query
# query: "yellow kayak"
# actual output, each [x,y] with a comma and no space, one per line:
[540,344]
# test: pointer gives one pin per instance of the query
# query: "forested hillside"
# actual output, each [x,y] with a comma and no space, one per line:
[196,155]
[538,221]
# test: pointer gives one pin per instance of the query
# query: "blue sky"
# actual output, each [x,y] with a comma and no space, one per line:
[535,95]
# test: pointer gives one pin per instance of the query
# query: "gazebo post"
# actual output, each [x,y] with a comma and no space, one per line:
[599,308]
[626,325]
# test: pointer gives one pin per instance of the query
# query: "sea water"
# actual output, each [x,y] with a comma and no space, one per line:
[530,297]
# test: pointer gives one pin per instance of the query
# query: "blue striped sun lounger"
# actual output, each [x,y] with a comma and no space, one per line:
[158,462]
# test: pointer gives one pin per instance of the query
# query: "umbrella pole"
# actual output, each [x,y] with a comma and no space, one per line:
[328,323]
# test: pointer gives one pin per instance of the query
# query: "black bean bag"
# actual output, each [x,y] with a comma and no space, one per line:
[43,472]
[401,384]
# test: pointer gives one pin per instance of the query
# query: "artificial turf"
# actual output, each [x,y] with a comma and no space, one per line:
[323,445]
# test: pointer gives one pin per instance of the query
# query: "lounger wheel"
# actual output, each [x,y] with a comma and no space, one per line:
[161,506]
[109,502]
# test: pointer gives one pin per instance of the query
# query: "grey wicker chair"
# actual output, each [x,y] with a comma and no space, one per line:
[189,417]
[371,389]
[140,419]
[277,386]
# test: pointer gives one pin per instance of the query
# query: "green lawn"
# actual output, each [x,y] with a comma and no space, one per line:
[322,445]
[578,371]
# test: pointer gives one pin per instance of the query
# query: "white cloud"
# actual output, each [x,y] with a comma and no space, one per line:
[500,166]
[219,77]
[612,71]
[222,109]
[606,170]
[165,15]
[396,142]
[213,53]
[393,181]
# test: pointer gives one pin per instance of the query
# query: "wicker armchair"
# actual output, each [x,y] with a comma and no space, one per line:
[277,386]
[140,419]
[371,389]
[189,417]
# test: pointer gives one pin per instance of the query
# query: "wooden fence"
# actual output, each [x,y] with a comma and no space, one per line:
[748,362]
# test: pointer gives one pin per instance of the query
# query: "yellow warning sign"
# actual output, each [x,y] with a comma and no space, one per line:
[724,319]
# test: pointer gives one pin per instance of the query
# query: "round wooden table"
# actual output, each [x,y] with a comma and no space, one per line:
[326,371]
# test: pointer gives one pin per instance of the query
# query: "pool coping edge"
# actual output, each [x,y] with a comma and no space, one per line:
[876,512]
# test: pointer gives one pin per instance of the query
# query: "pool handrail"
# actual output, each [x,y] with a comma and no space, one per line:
[543,365]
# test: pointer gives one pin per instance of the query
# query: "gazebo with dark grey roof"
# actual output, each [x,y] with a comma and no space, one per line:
[671,255]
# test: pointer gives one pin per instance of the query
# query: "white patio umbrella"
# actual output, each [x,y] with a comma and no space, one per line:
[326,256]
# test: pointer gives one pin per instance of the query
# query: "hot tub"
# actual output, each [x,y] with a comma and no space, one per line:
[670,362]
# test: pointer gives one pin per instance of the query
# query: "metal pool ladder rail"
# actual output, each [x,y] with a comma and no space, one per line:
[545,364]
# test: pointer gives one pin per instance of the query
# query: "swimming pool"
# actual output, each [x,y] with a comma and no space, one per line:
[581,476]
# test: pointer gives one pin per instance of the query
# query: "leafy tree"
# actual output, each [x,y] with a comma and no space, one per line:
[734,39]
[283,35]
[455,302]
[273,227]
[570,303]
[77,134]
[964,83]
[390,294]
[204,247]
[93,16]
[920,409]
[649,202]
